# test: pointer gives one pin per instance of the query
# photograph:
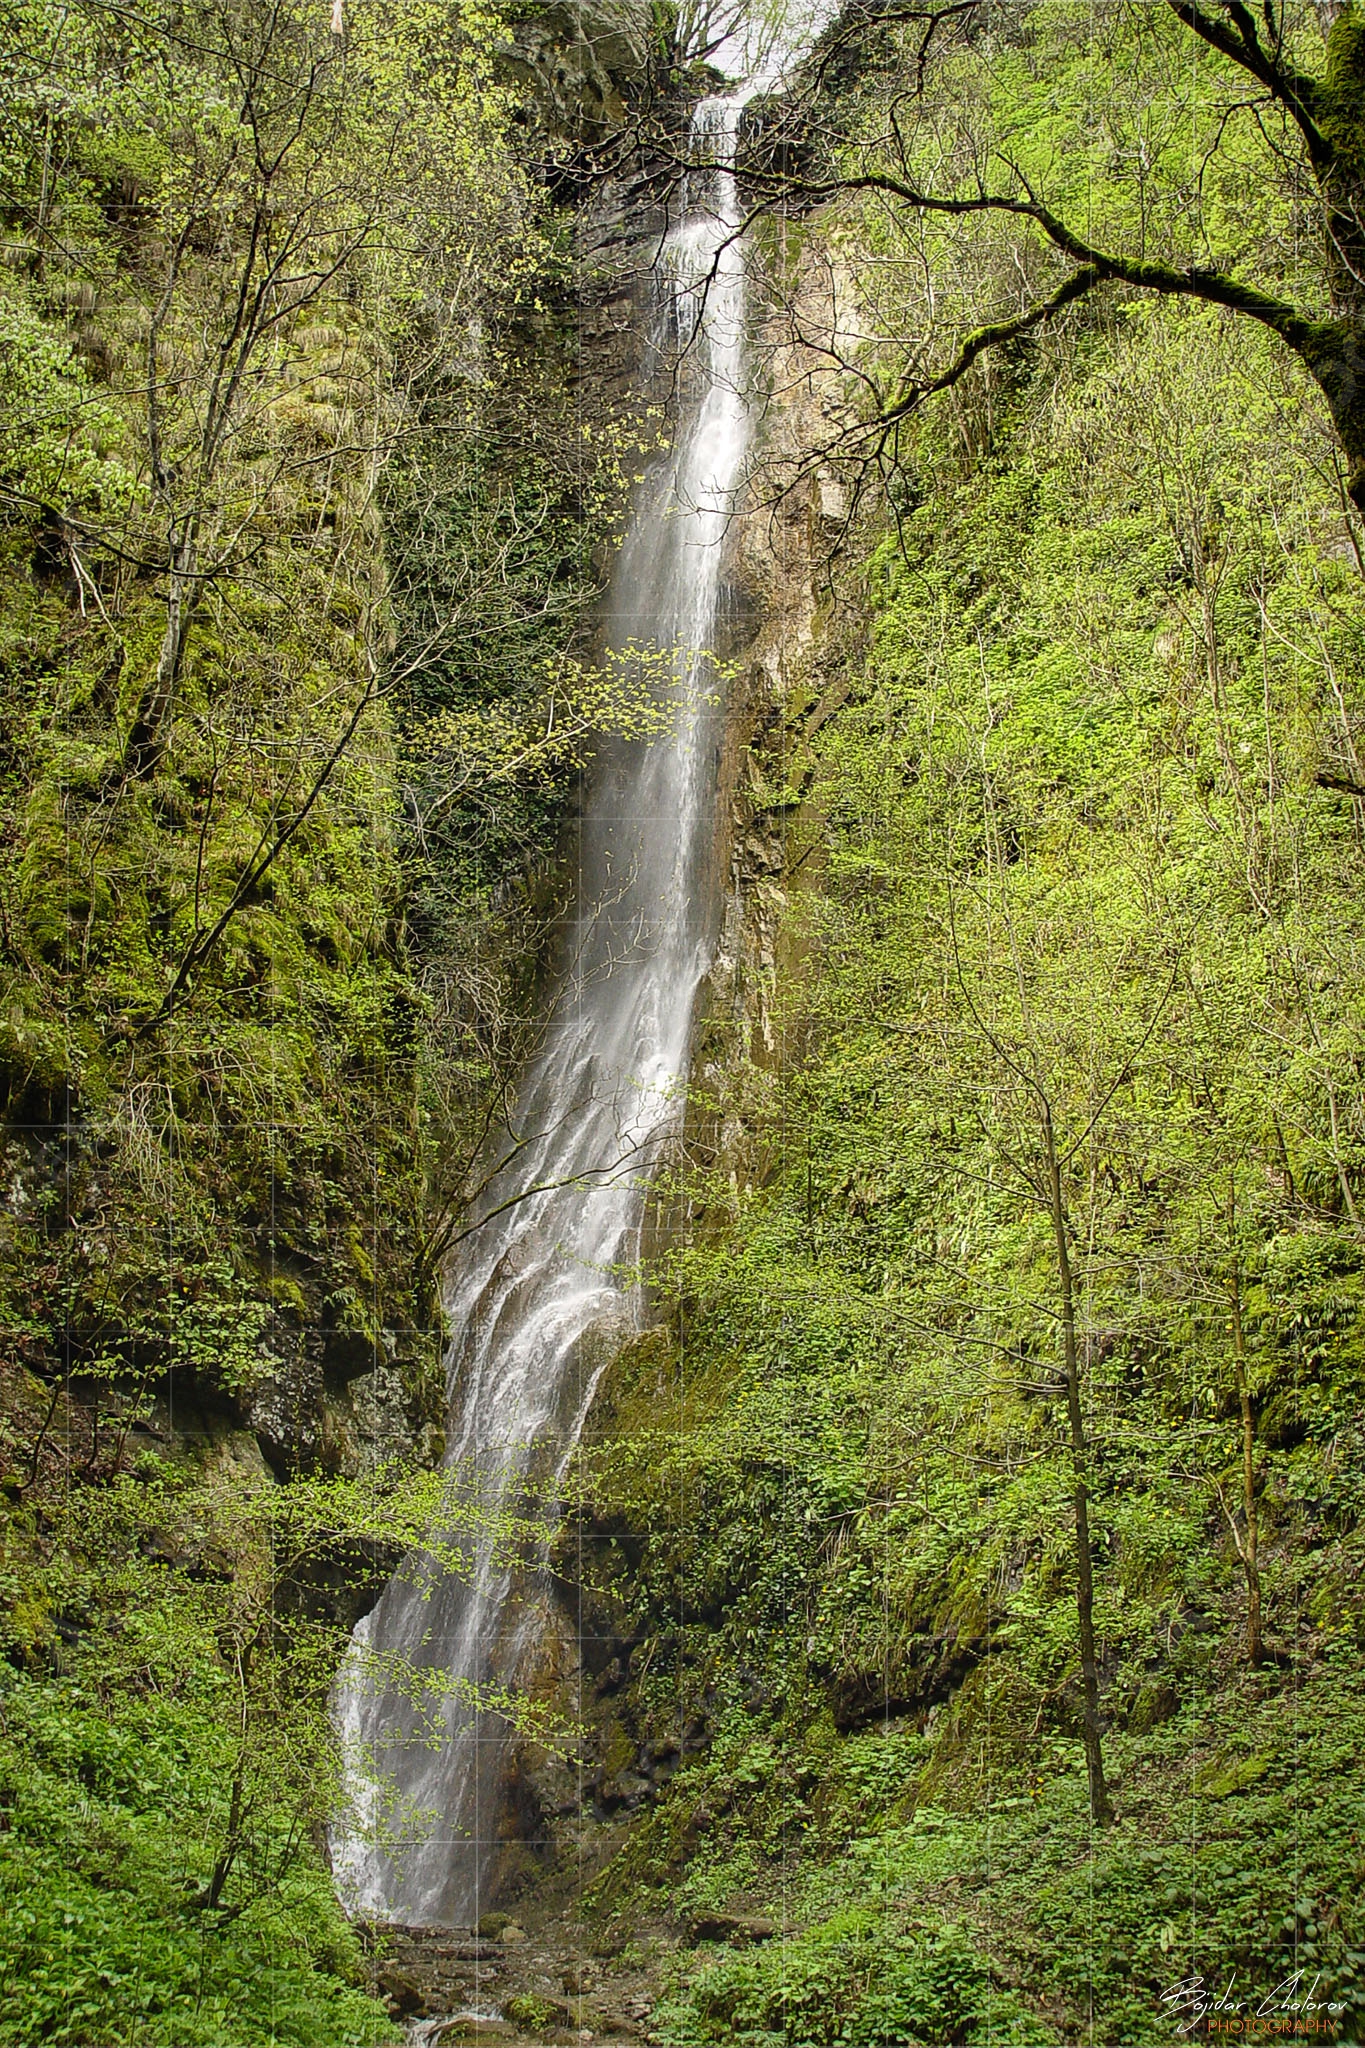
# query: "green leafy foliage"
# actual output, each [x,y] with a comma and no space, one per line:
[168,1763]
[264,494]
[56,432]
[850,1980]
[1073,874]
[102,1939]
[165,1751]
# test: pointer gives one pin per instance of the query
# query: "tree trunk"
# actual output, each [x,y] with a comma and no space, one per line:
[1247,1550]
[1250,1564]
[1100,1811]
[147,740]
[1340,354]
[222,1869]
[1336,356]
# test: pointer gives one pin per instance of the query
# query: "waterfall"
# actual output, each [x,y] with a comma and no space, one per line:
[536,1300]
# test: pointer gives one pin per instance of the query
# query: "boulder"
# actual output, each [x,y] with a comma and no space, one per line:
[403,1994]
[739,1929]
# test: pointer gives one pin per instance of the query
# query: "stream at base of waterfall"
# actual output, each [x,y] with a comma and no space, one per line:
[539,1295]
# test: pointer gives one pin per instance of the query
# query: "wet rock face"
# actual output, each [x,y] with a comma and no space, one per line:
[334,1402]
[583,61]
[568,1805]
[566,1816]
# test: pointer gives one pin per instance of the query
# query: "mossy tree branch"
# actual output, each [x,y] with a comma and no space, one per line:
[1325,111]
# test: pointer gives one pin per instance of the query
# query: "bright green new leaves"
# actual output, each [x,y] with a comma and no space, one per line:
[1080,848]
[262,263]
[168,1764]
[60,440]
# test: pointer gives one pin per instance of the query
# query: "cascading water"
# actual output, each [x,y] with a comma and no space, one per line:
[535,1285]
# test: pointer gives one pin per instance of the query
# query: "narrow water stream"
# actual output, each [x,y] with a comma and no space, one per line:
[535,1300]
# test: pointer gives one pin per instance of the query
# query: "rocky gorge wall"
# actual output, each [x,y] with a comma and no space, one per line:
[570,1814]
[330,1296]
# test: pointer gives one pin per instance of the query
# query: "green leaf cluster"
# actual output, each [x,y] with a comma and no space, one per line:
[1075,857]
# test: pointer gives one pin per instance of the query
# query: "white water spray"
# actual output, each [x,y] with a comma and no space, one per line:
[534,1302]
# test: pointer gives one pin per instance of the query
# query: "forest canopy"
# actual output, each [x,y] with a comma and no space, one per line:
[1004,163]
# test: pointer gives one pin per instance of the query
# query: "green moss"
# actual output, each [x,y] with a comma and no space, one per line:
[838,1512]
[539,2014]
